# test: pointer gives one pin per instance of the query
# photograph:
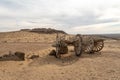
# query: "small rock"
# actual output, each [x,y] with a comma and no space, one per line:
[17,56]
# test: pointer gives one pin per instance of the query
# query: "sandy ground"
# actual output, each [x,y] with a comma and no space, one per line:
[104,65]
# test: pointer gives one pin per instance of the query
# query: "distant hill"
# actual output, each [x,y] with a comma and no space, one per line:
[112,36]
[44,30]
[25,36]
[30,35]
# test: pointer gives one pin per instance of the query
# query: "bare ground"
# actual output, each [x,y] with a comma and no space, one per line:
[104,65]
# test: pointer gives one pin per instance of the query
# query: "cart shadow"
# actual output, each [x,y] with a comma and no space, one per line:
[93,55]
[65,61]
[47,60]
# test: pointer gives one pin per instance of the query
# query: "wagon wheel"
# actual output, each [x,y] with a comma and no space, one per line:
[89,44]
[61,46]
[78,45]
[61,49]
[57,55]
[98,46]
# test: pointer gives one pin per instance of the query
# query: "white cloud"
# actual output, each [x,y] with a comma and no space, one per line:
[111,13]
[60,14]
[104,28]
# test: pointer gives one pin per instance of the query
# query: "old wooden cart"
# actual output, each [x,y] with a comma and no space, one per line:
[81,44]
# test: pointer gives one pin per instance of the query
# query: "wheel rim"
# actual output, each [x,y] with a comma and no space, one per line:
[57,55]
[78,45]
[98,46]
[58,47]
[57,52]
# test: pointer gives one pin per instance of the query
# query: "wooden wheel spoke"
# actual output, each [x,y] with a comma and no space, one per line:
[99,45]
[98,48]
[88,44]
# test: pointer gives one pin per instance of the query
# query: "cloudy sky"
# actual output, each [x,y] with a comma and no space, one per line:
[72,16]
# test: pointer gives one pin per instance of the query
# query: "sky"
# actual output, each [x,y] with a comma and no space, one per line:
[72,16]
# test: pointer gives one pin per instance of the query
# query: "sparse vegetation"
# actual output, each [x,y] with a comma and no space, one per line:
[44,30]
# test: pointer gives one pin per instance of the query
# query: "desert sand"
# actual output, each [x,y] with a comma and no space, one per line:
[104,65]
